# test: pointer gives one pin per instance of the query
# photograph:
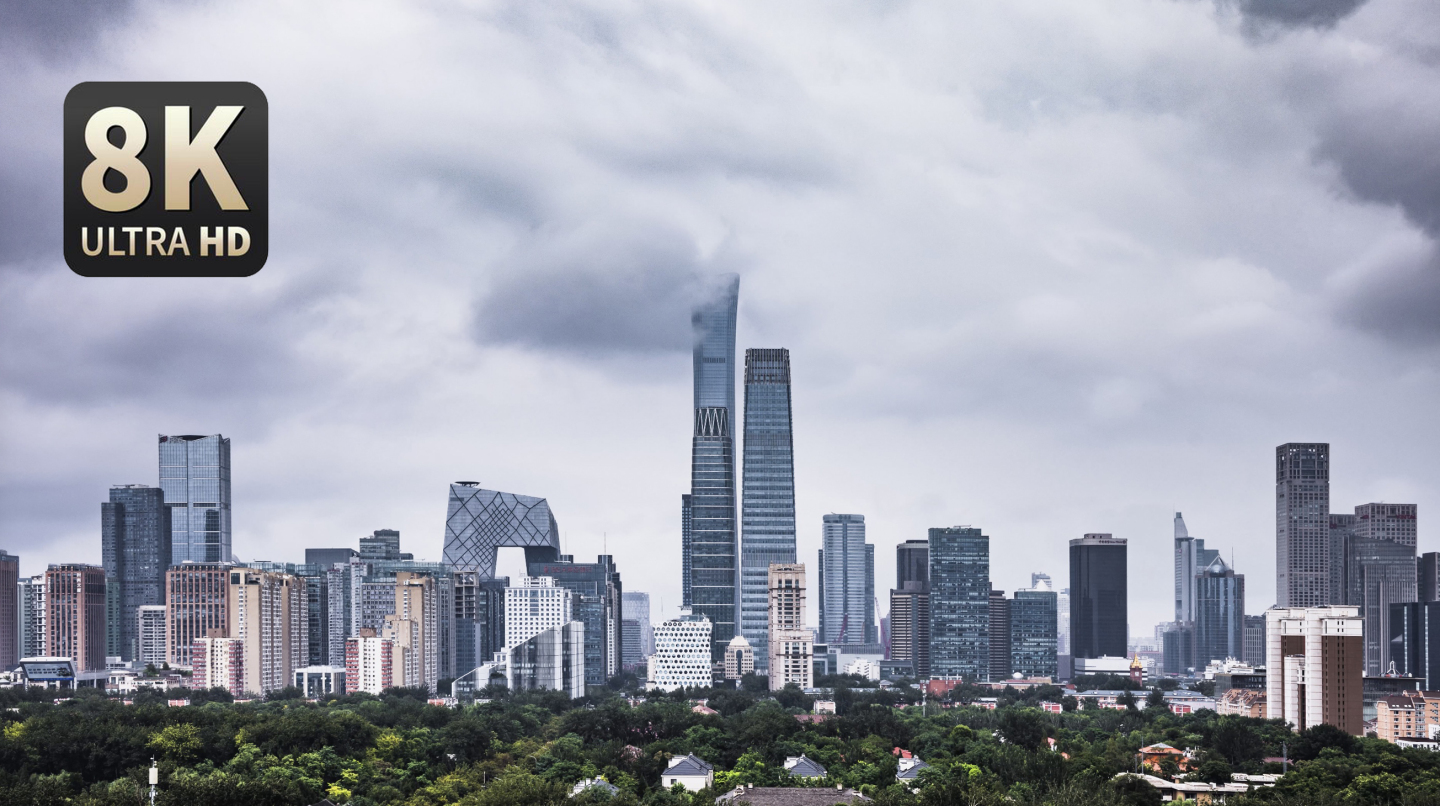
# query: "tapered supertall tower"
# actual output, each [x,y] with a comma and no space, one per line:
[712,550]
[767,491]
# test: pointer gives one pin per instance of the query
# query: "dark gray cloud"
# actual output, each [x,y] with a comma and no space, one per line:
[53,29]
[1295,13]
[1399,298]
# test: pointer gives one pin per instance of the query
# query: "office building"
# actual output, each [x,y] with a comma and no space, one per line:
[959,603]
[1396,523]
[326,559]
[9,610]
[135,535]
[639,639]
[197,601]
[552,659]
[686,518]
[382,544]
[847,582]
[714,546]
[912,563]
[479,522]
[266,612]
[739,658]
[1303,557]
[195,478]
[1254,641]
[536,604]
[767,492]
[1414,640]
[31,606]
[1378,573]
[318,681]
[152,627]
[910,626]
[1191,558]
[414,630]
[1098,597]
[790,649]
[599,591]
[369,662]
[1342,533]
[999,636]
[1219,613]
[1034,623]
[75,615]
[218,662]
[1177,647]
[1314,663]
[479,619]
[682,653]
[1428,576]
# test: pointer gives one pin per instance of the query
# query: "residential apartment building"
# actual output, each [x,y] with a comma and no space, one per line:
[1315,666]
[790,649]
[75,615]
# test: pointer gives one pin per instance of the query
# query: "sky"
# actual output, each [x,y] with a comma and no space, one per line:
[1043,267]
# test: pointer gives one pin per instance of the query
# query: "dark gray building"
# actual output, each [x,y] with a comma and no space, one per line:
[479,522]
[999,636]
[1302,525]
[1219,613]
[912,562]
[599,603]
[1428,576]
[685,524]
[195,477]
[767,491]
[1255,640]
[1098,597]
[1033,633]
[909,638]
[479,619]
[135,549]
[1414,640]
[1177,647]
[326,558]
[1378,573]
[9,610]
[959,603]
[384,544]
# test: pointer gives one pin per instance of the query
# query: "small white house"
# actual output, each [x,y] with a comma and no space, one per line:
[692,772]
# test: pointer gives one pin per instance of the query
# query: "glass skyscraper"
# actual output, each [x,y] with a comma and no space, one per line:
[847,582]
[478,522]
[195,477]
[712,550]
[767,492]
[1099,623]
[959,603]
[135,535]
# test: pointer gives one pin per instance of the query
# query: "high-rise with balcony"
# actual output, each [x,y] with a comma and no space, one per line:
[195,478]
[266,612]
[1302,525]
[197,601]
[1098,597]
[791,647]
[75,617]
[713,548]
[959,603]
[135,537]
[847,582]
[767,492]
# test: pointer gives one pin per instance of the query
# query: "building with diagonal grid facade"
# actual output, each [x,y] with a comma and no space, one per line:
[480,521]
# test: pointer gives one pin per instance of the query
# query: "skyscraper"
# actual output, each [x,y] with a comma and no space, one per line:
[1033,626]
[33,640]
[1191,558]
[910,607]
[383,544]
[195,478]
[1322,647]
[9,615]
[265,611]
[713,547]
[686,520]
[959,603]
[75,617]
[999,635]
[135,535]
[1302,525]
[1378,573]
[639,639]
[767,507]
[791,645]
[598,604]
[847,582]
[1428,576]
[414,630]
[1219,613]
[478,522]
[1098,597]
[1415,641]
[197,601]
[154,628]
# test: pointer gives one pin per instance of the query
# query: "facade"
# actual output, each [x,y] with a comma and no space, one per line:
[372,600]
[414,630]
[1428,576]
[599,605]
[369,662]
[553,659]
[767,492]
[682,653]
[329,558]
[739,658]
[1098,597]
[999,636]
[1414,639]
[479,619]
[686,518]
[317,681]
[478,522]
[713,549]
[33,639]
[1219,613]
[266,612]
[382,544]
[1034,620]
[9,611]
[152,628]
[1191,559]
[847,582]
[135,550]
[1396,523]
[791,654]
[910,626]
[959,603]
[691,772]
[75,615]
[195,478]
[1378,573]
[218,662]
[639,639]
[1315,667]
[1177,648]
[536,604]
[1254,640]
[1411,715]
[1302,525]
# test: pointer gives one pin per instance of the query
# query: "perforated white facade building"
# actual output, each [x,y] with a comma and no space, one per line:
[533,606]
[682,653]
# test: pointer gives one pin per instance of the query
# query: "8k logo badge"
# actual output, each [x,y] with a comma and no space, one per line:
[166,179]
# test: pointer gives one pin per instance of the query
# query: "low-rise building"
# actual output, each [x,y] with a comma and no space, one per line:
[1241,702]
[597,783]
[803,767]
[692,772]
[791,796]
[1152,756]
[317,681]
[1411,715]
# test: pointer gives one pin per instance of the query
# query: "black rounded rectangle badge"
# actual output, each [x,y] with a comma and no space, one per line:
[166,179]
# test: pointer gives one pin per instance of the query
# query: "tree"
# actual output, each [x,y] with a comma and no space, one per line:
[1023,727]
[1234,739]
[1212,771]
[1314,739]
[1155,699]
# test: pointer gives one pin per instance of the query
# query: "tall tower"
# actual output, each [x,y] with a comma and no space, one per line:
[959,603]
[846,582]
[9,614]
[195,476]
[910,607]
[713,550]
[135,536]
[1191,559]
[790,648]
[1098,597]
[1302,525]
[1219,613]
[767,499]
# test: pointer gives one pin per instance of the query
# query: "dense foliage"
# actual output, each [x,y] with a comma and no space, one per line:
[395,749]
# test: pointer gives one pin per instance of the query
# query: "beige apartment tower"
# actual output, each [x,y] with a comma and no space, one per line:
[197,600]
[413,630]
[267,614]
[791,643]
[1315,662]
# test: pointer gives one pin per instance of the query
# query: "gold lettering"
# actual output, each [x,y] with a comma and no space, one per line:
[210,239]
[239,241]
[185,157]
[109,157]
[85,241]
[177,241]
[155,239]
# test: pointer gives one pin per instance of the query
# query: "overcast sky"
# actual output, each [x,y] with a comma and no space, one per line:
[1046,268]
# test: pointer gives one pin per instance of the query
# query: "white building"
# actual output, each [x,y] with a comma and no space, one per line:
[739,658]
[369,662]
[692,772]
[791,649]
[33,637]
[865,667]
[535,605]
[317,681]
[218,662]
[682,653]
[1315,666]
[154,648]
